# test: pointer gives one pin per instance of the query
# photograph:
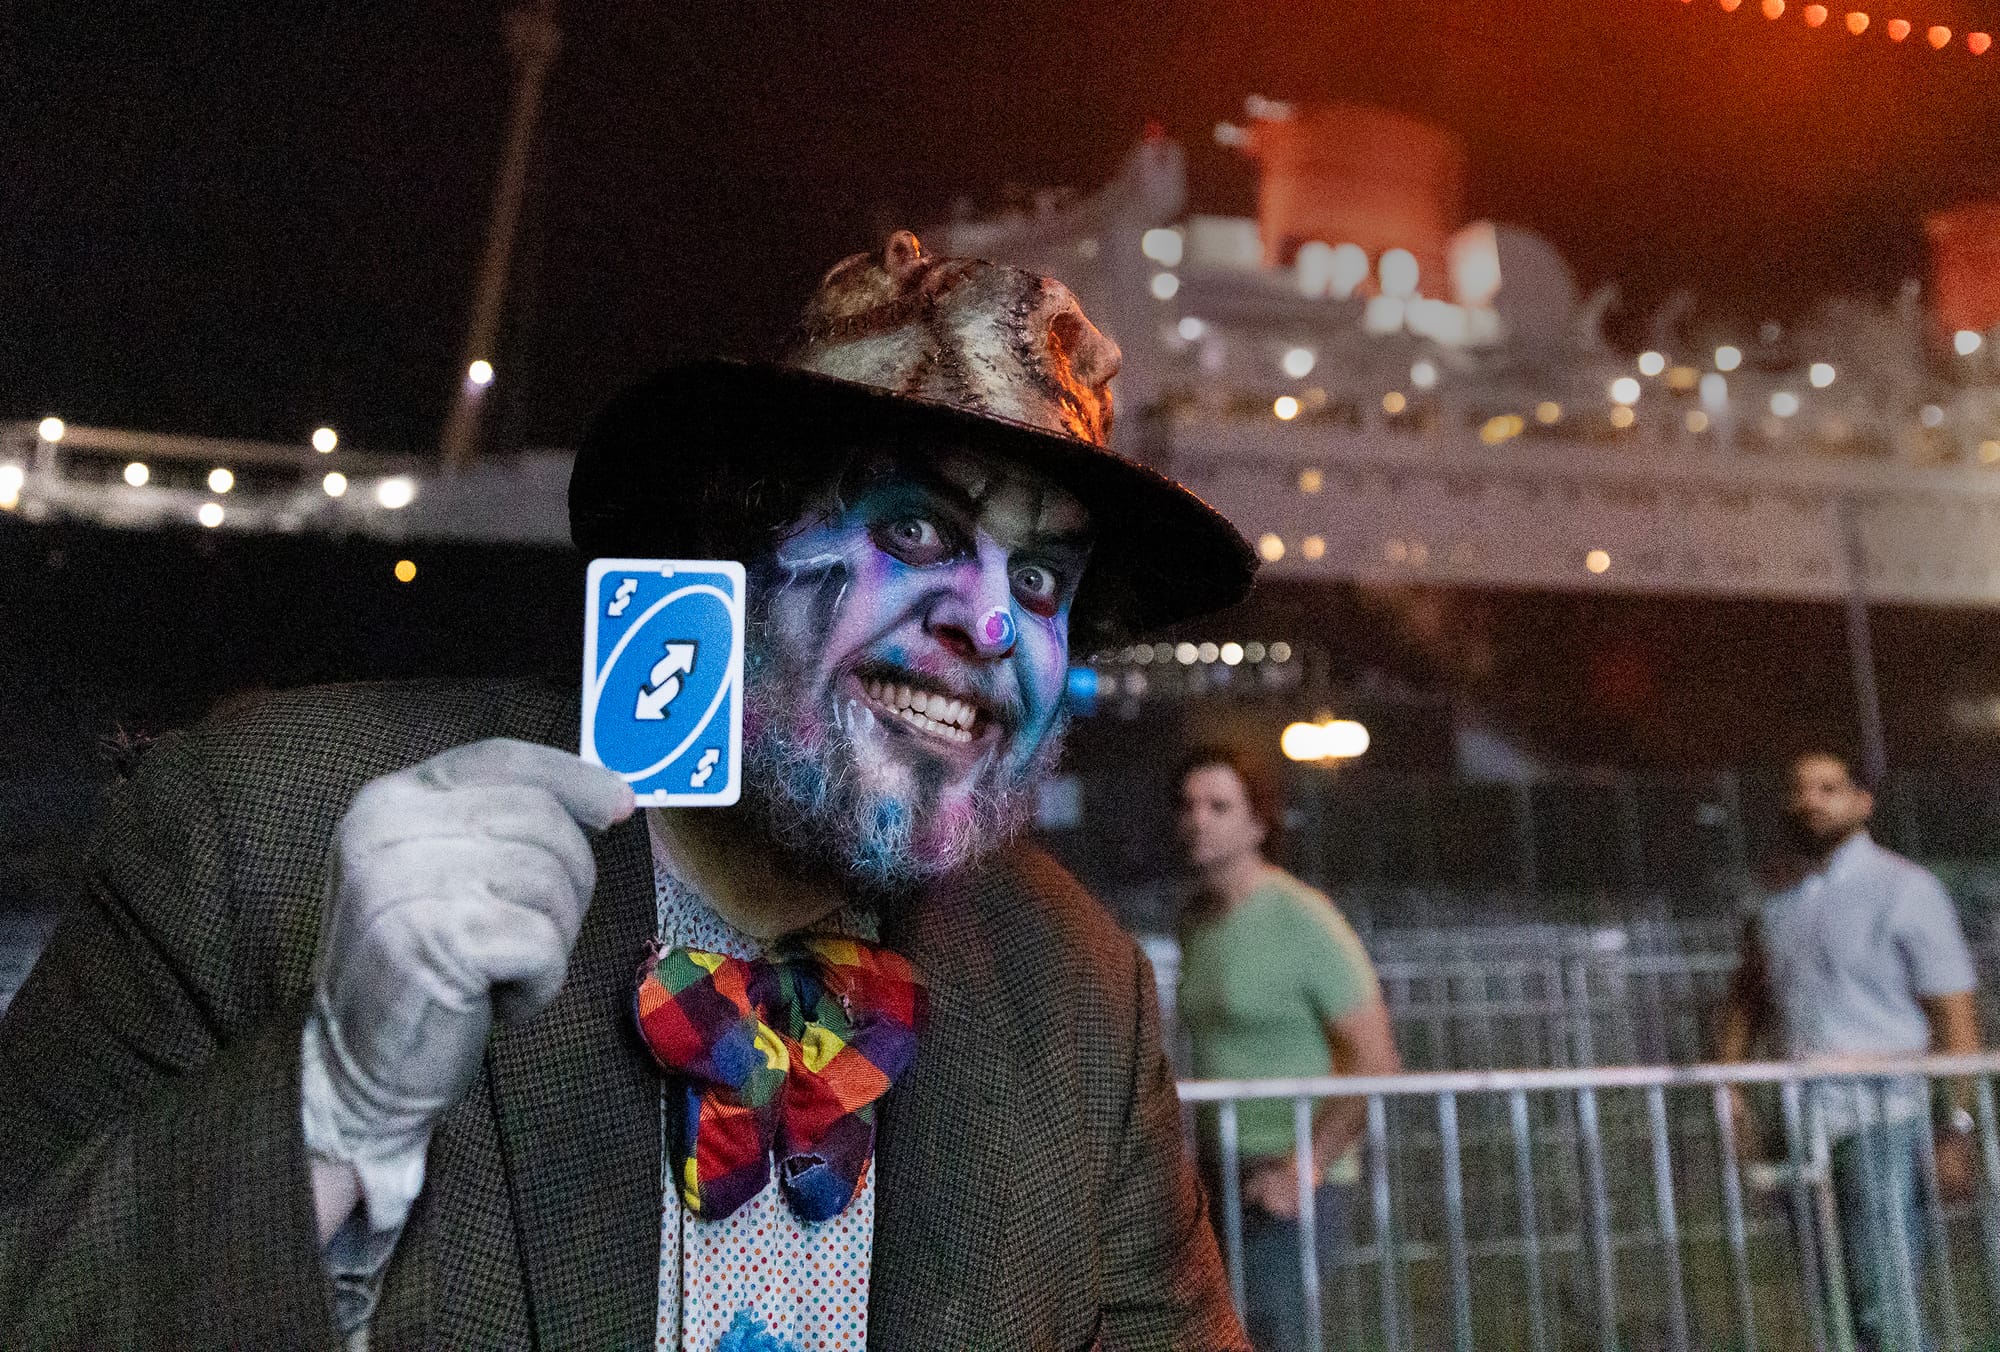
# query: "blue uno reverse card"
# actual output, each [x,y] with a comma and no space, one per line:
[663,677]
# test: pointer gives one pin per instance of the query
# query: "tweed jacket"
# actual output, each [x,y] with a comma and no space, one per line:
[154,1188]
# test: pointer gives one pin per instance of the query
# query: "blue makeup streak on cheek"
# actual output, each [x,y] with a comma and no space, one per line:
[1042,663]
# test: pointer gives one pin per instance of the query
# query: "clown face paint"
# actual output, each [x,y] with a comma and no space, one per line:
[908,647]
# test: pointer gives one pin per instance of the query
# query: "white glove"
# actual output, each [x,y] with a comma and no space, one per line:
[455,889]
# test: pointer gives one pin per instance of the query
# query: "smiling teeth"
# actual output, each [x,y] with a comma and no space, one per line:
[926,710]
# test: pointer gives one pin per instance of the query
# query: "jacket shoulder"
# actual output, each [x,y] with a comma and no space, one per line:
[1060,955]
[1038,909]
[378,726]
[218,839]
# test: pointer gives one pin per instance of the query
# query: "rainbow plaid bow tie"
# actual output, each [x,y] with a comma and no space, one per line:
[783,1056]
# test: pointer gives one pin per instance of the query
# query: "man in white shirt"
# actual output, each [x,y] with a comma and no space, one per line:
[1856,952]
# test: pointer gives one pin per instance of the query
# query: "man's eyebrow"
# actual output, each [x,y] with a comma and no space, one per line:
[929,479]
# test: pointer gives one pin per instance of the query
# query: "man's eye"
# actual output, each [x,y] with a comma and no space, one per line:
[915,538]
[1038,587]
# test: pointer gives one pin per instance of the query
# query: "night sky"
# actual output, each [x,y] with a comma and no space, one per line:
[252,222]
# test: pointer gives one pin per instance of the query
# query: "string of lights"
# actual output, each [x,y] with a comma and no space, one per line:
[1860,23]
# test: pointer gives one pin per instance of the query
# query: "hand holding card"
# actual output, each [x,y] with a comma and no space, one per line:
[455,890]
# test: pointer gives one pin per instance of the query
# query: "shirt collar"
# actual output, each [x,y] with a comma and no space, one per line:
[1847,856]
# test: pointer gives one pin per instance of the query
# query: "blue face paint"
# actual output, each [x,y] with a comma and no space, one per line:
[907,665]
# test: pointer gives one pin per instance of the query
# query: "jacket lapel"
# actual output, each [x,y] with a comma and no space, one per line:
[576,1110]
[942,1190]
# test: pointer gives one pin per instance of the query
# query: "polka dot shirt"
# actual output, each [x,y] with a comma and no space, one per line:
[760,1279]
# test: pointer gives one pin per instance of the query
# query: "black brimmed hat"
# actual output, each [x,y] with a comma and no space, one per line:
[909,352]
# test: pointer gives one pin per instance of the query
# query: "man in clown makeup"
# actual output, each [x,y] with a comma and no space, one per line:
[393,1024]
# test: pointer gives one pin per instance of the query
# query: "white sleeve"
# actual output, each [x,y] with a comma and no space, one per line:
[1931,940]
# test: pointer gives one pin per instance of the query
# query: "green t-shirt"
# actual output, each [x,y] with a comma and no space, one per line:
[1258,985]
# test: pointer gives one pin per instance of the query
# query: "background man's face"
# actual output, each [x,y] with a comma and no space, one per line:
[1216,824]
[1826,806]
[909,654]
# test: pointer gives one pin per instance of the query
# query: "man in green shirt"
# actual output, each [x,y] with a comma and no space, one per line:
[1273,983]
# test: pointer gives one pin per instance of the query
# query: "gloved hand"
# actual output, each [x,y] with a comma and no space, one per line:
[455,890]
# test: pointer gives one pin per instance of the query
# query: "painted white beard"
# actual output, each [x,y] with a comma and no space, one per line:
[832,790]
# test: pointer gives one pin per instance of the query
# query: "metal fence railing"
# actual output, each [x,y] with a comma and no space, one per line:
[1620,1208]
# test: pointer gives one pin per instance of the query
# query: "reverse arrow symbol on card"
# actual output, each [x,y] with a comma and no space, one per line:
[665,682]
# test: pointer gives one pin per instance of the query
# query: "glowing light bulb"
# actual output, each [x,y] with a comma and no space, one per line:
[1548,411]
[406,570]
[1857,22]
[1314,546]
[1623,416]
[1625,390]
[1270,548]
[1651,363]
[1728,357]
[480,373]
[1163,246]
[51,429]
[1814,15]
[334,485]
[1784,403]
[1310,481]
[325,439]
[396,493]
[1328,739]
[1349,267]
[220,480]
[137,474]
[1231,654]
[1977,43]
[1898,29]
[1939,35]
[1285,408]
[1820,374]
[1966,342]
[1190,328]
[1774,9]
[1394,402]
[1398,270]
[210,514]
[1423,373]
[1165,286]
[1298,362]
[1301,741]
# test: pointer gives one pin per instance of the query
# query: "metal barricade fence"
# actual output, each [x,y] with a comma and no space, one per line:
[1534,996]
[1623,1208]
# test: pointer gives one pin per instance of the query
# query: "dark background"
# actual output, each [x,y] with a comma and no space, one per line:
[250,221]
[253,222]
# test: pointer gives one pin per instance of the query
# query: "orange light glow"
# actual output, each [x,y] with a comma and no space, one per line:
[1774,9]
[1814,15]
[1939,36]
[1857,22]
[1898,29]
[1978,42]
[1729,6]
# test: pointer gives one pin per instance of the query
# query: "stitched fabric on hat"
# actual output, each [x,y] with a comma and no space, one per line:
[779,1059]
